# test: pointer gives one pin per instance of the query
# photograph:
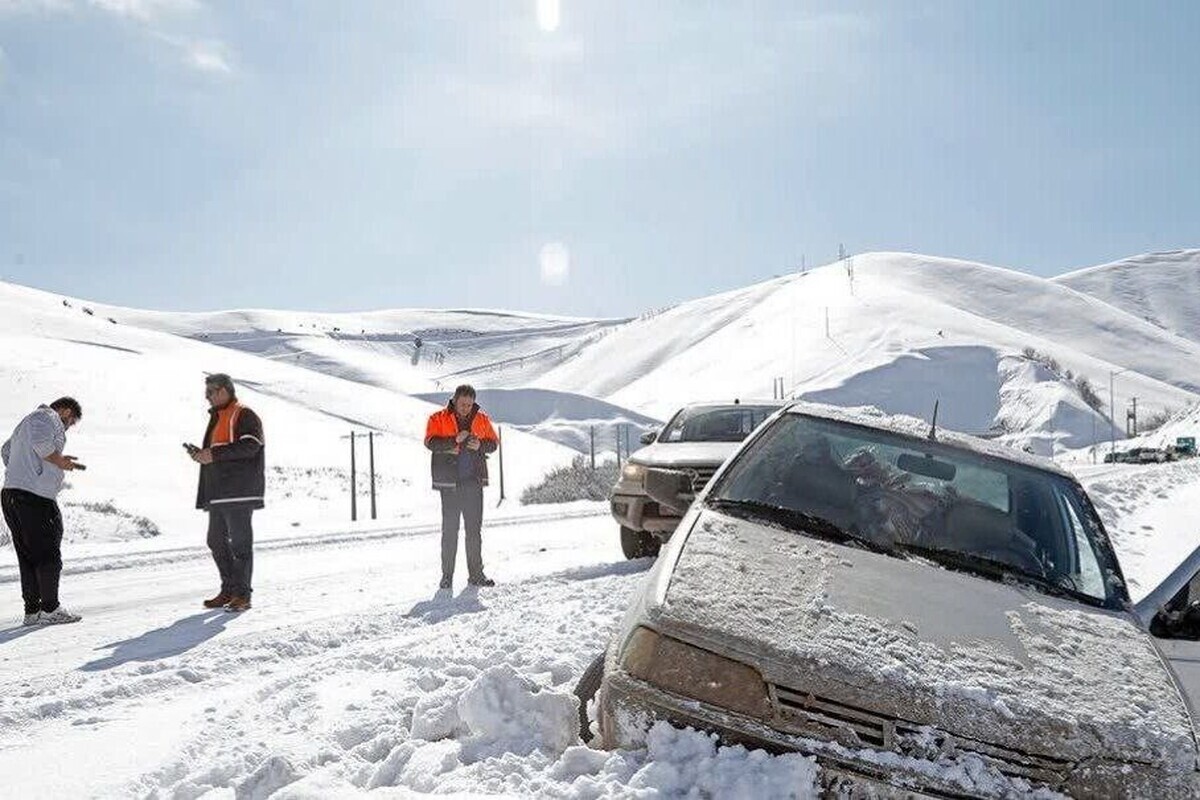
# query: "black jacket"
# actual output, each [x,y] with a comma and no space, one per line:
[237,476]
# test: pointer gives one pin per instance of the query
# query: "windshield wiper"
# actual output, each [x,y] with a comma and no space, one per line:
[809,523]
[993,568]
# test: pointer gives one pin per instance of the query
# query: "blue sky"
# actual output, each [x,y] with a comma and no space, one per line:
[194,154]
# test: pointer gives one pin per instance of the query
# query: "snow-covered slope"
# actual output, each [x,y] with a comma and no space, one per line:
[142,394]
[1161,288]
[897,330]
[405,350]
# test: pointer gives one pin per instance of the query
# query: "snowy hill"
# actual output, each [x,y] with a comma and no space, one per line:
[895,330]
[142,394]
[406,350]
[1160,288]
[903,331]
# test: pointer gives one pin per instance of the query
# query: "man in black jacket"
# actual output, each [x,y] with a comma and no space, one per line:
[232,482]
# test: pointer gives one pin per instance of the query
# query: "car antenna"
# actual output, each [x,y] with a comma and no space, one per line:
[933,425]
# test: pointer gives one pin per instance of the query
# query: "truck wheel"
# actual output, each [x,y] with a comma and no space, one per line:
[585,690]
[639,544]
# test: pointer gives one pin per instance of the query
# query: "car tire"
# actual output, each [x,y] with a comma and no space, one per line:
[585,690]
[639,544]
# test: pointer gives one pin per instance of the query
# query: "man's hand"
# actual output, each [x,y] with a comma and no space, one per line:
[65,463]
[203,456]
[462,437]
[472,443]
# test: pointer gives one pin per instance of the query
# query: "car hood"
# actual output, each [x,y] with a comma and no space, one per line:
[684,454]
[998,663]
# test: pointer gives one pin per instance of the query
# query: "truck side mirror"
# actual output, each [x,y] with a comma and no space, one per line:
[648,437]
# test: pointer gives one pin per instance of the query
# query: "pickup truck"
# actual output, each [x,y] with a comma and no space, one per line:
[696,440]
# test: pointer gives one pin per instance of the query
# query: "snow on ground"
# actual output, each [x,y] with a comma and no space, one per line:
[1149,511]
[352,676]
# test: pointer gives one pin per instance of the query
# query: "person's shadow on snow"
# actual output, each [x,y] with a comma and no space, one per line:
[17,631]
[444,605]
[178,637]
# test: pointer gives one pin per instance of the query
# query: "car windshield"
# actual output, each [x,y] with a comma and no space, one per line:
[922,499]
[731,423]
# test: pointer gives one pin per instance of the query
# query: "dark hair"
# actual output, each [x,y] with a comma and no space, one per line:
[68,404]
[466,390]
[222,381]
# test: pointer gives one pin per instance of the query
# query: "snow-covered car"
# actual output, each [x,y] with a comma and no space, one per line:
[696,440]
[912,608]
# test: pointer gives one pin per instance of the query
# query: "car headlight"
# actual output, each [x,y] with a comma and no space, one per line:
[694,672]
[635,473]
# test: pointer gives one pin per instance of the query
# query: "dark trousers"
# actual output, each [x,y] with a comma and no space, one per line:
[466,501]
[37,531]
[231,540]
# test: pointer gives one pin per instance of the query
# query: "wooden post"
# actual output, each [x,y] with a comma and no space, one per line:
[353,489]
[371,448]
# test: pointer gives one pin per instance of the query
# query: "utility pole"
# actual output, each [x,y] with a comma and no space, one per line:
[618,437]
[592,438]
[1133,418]
[353,489]
[371,451]
[500,456]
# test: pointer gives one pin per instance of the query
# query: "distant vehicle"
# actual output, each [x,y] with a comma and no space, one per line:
[906,609]
[697,440]
[1185,446]
[1138,455]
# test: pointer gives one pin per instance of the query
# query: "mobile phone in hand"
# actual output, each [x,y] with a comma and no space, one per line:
[191,448]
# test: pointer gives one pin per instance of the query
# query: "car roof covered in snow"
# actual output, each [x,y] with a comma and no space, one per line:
[871,417]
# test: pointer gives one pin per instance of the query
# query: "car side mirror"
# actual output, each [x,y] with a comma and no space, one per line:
[648,437]
[670,488]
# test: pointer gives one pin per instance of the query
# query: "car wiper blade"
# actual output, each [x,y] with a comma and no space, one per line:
[809,523]
[992,568]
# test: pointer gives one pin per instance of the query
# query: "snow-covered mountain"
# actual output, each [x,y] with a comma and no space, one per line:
[1001,352]
[142,393]
[1161,288]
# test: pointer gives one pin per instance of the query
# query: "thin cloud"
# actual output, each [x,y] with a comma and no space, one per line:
[208,57]
[146,10]
[18,6]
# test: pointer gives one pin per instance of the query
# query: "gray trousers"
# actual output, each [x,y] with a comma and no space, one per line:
[465,501]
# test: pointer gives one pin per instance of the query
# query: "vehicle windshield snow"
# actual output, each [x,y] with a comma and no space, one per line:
[715,423]
[919,498]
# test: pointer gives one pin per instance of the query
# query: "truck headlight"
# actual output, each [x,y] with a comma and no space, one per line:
[694,672]
[635,473]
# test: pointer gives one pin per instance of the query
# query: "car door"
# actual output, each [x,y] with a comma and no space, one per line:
[1178,590]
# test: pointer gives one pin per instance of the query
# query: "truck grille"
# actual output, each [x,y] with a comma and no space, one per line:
[701,476]
[802,712]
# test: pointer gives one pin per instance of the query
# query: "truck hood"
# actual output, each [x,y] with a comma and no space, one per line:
[684,454]
[1002,664]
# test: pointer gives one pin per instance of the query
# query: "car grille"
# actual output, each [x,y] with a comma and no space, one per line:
[802,712]
[701,476]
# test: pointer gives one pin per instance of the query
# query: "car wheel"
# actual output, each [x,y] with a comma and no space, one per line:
[585,690]
[639,544]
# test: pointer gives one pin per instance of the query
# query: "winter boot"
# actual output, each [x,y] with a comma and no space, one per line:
[237,604]
[216,602]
